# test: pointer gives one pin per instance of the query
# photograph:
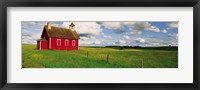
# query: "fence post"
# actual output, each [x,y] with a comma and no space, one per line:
[107,57]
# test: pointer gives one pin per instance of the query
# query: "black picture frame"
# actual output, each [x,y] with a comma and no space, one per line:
[98,3]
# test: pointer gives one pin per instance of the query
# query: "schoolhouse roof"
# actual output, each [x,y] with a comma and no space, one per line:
[61,32]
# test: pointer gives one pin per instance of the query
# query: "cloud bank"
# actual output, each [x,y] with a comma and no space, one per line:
[111,33]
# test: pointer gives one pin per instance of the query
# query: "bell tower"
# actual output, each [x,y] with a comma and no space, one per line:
[72,26]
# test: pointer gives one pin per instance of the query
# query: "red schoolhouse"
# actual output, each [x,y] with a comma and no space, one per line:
[56,38]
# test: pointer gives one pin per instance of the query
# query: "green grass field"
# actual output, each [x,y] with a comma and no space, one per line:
[97,58]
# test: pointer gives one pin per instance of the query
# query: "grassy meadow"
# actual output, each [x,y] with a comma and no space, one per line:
[91,57]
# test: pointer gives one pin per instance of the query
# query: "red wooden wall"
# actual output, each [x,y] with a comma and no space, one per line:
[43,45]
[62,46]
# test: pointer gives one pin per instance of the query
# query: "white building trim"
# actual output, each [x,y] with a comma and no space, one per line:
[73,43]
[67,42]
[49,43]
[58,42]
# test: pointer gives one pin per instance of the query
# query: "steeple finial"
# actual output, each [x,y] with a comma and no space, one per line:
[71,26]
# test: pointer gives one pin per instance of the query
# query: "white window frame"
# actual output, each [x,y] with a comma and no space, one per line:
[58,40]
[73,43]
[67,42]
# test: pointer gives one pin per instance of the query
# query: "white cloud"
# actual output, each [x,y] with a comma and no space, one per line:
[139,27]
[106,36]
[56,25]
[30,39]
[154,29]
[91,41]
[27,25]
[91,33]
[31,31]
[164,41]
[84,38]
[128,23]
[173,35]
[81,42]
[122,41]
[173,43]
[140,40]
[126,37]
[173,25]
[136,32]
[112,25]
[116,26]
[164,31]
[135,28]
[97,42]
[85,28]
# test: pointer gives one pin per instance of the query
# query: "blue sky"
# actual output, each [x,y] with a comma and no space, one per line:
[135,33]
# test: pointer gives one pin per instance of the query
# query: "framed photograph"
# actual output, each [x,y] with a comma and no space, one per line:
[122,44]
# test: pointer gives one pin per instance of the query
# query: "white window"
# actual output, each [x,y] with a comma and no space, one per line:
[58,42]
[66,42]
[73,43]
